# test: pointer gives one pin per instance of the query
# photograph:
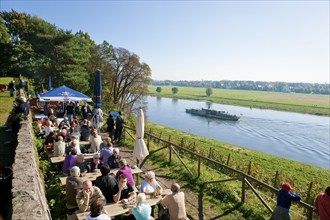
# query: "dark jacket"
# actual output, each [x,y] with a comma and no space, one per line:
[106,184]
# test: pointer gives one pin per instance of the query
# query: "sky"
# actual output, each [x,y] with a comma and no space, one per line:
[204,40]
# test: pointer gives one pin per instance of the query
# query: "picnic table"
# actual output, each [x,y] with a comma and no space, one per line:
[116,209]
[92,176]
[55,160]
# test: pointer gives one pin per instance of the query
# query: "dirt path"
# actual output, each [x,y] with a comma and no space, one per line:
[193,202]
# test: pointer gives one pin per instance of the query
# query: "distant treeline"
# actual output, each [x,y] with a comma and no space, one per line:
[309,88]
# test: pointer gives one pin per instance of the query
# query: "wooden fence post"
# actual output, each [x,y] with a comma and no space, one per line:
[160,136]
[194,146]
[228,159]
[276,179]
[124,134]
[210,152]
[199,166]
[309,191]
[249,169]
[170,154]
[243,189]
[148,140]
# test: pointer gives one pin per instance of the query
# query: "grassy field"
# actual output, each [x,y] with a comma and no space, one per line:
[293,102]
[6,101]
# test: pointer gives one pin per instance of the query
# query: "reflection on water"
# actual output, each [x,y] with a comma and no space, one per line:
[295,136]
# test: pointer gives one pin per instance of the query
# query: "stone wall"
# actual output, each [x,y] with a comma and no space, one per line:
[28,194]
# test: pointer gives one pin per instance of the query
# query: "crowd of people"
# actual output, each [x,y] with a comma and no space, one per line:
[63,140]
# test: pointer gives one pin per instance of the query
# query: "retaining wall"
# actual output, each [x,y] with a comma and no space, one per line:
[28,194]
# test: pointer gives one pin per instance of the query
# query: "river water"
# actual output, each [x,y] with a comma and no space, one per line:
[299,137]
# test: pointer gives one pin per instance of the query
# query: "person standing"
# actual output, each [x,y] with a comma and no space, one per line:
[111,126]
[120,121]
[322,204]
[284,200]
[85,109]
[46,109]
[12,88]
[70,111]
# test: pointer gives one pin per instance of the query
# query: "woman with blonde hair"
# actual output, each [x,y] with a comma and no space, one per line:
[141,211]
[150,186]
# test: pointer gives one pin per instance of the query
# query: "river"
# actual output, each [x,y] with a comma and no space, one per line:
[300,137]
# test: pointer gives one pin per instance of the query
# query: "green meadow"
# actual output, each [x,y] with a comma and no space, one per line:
[292,102]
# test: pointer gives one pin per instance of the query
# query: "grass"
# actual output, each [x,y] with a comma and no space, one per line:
[223,199]
[6,101]
[293,102]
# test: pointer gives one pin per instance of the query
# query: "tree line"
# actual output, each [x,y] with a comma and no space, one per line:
[309,88]
[36,49]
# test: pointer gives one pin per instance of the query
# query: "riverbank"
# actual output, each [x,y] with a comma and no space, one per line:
[292,102]
[270,169]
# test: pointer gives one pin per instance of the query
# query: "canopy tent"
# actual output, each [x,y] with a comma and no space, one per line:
[64,94]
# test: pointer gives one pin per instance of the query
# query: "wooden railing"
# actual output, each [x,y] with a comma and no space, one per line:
[245,178]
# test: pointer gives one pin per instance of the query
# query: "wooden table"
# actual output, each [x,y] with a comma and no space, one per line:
[84,143]
[61,159]
[92,176]
[115,209]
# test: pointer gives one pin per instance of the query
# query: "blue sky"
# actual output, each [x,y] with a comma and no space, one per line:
[204,40]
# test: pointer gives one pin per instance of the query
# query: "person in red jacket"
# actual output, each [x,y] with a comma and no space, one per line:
[322,204]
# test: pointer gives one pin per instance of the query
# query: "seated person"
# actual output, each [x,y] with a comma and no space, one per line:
[124,169]
[141,211]
[88,195]
[97,211]
[106,150]
[96,162]
[175,203]
[65,123]
[59,147]
[106,183]
[114,159]
[69,161]
[50,138]
[75,132]
[64,133]
[73,184]
[123,191]
[106,142]
[74,144]
[48,127]
[95,141]
[149,185]
[81,163]
[85,131]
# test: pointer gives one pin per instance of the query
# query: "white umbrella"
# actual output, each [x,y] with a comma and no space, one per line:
[140,149]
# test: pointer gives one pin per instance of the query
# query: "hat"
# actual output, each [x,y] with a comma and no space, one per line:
[286,186]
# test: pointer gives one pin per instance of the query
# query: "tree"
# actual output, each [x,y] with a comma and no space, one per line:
[175,90]
[158,89]
[209,91]
[126,78]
